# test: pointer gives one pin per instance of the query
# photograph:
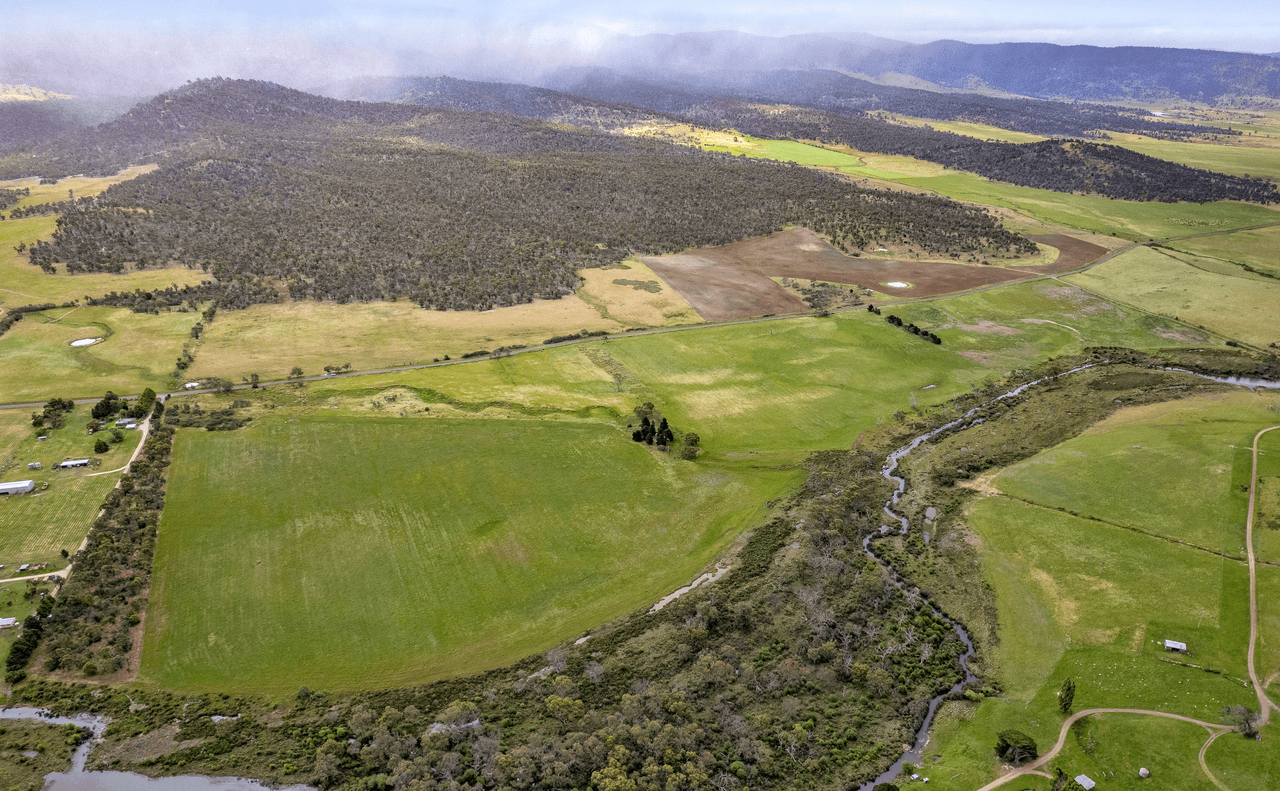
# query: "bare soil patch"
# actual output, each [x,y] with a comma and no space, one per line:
[1072,253]
[733,282]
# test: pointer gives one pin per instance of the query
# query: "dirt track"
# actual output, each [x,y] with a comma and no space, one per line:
[733,282]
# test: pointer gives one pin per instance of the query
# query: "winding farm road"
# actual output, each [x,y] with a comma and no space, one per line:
[1215,730]
[1265,704]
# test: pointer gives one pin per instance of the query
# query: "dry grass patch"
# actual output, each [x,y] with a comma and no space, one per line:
[632,295]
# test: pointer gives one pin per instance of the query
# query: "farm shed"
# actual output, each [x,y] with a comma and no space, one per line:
[1085,783]
[35,465]
[17,487]
[1174,645]
[69,463]
[8,623]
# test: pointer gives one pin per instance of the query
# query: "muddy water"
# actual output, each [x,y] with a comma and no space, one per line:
[77,779]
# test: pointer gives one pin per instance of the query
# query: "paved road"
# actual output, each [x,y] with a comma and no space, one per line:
[692,327]
[1265,704]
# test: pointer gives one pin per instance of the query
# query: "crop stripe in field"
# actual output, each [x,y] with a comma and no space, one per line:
[1139,530]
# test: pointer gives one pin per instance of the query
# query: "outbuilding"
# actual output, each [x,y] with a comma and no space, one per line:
[1085,782]
[69,463]
[8,623]
[35,465]
[1174,645]
[191,385]
[17,487]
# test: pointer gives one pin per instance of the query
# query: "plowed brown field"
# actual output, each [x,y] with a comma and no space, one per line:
[733,282]
[1072,253]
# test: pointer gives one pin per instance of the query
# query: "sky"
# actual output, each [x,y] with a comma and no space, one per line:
[140,46]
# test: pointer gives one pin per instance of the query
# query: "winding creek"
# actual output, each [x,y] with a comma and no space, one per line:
[966,421]
[77,778]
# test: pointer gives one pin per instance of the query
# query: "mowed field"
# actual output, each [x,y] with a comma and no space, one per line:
[1208,292]
[1093,599]
[411,550]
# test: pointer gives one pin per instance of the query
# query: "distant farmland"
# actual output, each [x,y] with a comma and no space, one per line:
[354,553]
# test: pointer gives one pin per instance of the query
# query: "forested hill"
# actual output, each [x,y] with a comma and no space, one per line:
[274,191]
[838,92]
[209,115]
[1055,165]
[1060,165]
[542,104]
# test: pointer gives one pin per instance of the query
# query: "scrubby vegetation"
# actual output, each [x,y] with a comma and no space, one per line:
[349,201]
[91,631]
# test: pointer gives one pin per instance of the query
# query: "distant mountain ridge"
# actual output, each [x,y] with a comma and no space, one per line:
[1049,71]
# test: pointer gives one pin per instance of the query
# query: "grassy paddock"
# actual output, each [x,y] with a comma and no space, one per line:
[435,548]
[1255,248]
[270,339]
[138,351]
[1008,327]
[1199,291]
[1195,443]
[1092,601]
[35,527]
[1262,162]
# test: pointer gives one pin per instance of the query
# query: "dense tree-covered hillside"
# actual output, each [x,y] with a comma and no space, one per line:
[452,210]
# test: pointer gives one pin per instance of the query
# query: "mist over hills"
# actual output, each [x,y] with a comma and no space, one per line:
[1039,70]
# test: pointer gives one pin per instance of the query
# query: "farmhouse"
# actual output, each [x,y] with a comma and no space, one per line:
[124,421]
[1174,645]
[69,463]
[17,487]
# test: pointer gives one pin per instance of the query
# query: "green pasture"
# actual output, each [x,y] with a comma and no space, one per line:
[1189,456]
[1061,581]
[1257,248]
[1083,598]
[1246,765]
[34,528]
[980,131]
[411,550]
[1204,292]
[1261,162]
[138,351]
[1133,220]
[768,392]
[1007,327]
[1104,745]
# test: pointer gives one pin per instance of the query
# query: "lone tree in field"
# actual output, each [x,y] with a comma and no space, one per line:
[1016,747]
[1242,718]
[1066,695]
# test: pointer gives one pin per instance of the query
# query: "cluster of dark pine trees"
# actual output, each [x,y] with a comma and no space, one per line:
[653,433]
